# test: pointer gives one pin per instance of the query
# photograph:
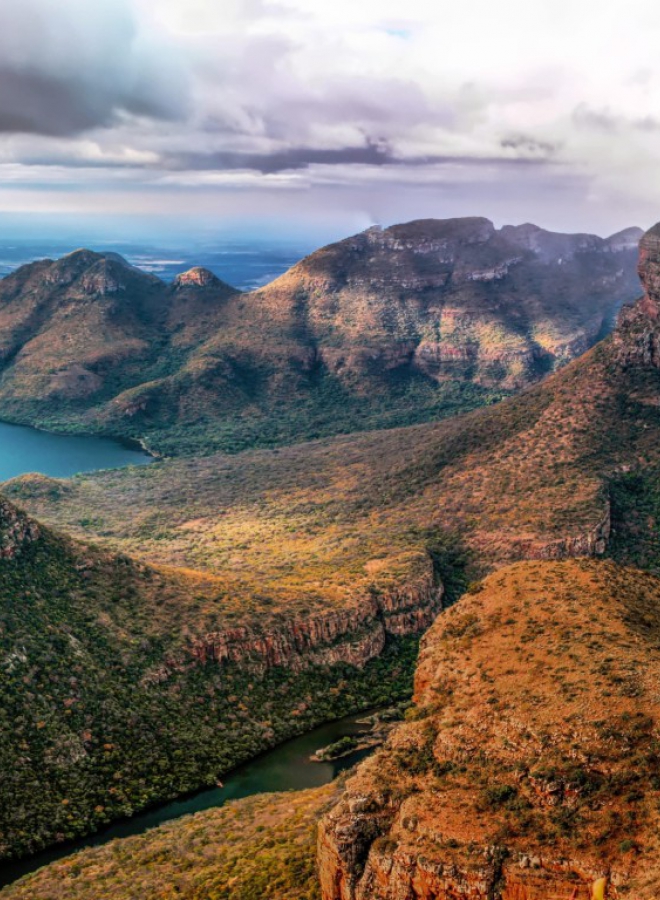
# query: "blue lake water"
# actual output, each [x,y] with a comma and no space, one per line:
[25,450]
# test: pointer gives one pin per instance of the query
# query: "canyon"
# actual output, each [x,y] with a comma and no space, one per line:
[252,596]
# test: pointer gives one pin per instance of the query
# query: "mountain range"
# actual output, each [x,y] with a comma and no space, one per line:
[389,327]
[145,611]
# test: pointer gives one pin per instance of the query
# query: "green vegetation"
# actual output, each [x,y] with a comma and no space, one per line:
[635,499]
[323,408]
[103,710]
[339,748]
[249,850]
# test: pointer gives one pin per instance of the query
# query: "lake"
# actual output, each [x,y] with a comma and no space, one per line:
[286,767]
[25,450]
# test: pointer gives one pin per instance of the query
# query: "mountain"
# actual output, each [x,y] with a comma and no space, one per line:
[386,328]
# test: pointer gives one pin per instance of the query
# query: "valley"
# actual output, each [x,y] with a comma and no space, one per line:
[255,595]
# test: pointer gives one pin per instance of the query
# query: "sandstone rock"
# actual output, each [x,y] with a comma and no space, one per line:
[508,743]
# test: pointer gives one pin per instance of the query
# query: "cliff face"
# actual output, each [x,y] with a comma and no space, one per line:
[352,636]
[457,298]
[637,338]
[520,775]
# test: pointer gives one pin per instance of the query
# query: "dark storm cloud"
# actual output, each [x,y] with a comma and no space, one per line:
[86,66]
[527,144]
[297,158]
[291,158]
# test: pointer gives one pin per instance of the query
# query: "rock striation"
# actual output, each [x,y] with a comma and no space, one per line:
[638,334]
[352,636]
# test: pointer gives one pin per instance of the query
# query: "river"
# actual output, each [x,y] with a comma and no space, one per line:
[286,767]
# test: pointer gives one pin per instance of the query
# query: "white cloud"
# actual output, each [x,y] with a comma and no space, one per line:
[199,93]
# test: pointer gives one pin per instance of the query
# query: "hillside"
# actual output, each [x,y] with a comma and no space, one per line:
[247,850]
[386,328]
[530,767]
[124,684]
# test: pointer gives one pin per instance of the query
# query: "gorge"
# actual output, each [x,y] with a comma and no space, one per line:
[260,593]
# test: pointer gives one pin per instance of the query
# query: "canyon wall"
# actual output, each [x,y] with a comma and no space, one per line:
[354,635]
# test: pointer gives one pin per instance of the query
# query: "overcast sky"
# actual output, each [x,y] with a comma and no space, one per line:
[333,113]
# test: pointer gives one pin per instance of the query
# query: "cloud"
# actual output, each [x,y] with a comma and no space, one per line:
[301,94]
[75,66]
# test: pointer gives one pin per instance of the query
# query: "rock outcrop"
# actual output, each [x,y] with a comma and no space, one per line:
[352,636]
[196,277]
[535,701]
[637,337]
[16,531]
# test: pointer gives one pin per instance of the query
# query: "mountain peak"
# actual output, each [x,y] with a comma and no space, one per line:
[627,239]
[198,276]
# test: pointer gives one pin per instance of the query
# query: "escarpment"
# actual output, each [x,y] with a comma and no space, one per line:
[353,636]
[524,773]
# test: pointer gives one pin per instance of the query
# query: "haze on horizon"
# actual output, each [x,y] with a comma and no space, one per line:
[302,116]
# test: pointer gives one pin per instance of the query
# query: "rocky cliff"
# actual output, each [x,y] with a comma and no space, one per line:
[529,768]
[457,298]
[354,636]
[637,338]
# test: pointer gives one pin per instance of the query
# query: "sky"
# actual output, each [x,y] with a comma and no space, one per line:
[326,116]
